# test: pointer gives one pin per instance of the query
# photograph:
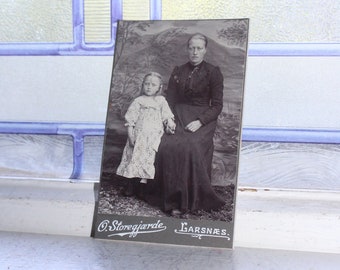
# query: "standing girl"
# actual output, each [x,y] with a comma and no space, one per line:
[145,119]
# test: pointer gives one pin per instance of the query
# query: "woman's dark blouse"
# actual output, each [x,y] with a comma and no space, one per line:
[205,89]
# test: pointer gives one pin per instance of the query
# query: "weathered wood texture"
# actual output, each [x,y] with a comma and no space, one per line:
[267,165]
[290,165]
[36,156]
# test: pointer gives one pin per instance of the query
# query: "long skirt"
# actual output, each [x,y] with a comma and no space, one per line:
[183,165]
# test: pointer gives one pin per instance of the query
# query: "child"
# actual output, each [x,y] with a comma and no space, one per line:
[145,119]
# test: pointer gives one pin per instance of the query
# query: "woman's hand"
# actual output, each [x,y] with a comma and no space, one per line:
[194,126]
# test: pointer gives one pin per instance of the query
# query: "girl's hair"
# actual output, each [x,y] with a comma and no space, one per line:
[153,74]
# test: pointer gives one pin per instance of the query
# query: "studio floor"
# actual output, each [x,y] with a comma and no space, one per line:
[39,251]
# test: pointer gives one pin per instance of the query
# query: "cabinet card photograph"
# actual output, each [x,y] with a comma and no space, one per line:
[173,133]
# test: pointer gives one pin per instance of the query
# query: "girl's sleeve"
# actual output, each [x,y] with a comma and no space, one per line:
[165,110]
[132,114]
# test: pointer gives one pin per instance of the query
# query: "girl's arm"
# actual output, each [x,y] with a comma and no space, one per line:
[131,117]
[167,117]
[131,136]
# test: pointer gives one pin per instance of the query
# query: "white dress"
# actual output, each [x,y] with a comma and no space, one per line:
[146,114]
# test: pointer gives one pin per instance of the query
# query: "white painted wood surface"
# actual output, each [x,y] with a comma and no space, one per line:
[288,219]
[47,207]
[54,89]
[279,91]
[273,219]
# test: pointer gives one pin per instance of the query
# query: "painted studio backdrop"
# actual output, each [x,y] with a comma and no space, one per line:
[162,179]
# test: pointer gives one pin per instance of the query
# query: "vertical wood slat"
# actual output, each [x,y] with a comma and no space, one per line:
[134,11]
[97,21]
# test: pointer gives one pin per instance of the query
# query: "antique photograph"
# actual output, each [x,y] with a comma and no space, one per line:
[172,139]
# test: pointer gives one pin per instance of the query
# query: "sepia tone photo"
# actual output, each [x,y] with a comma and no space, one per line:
[172,139]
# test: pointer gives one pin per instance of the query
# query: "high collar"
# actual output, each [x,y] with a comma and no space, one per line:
[196,66]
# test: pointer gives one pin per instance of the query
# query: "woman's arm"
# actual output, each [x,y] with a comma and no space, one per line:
[216,90]
[171,90]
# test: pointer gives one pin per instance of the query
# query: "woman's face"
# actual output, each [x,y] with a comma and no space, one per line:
[151,85]
[196,51]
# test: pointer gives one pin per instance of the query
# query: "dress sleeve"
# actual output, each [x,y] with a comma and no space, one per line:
[132,113]
[166,112]
[216,101]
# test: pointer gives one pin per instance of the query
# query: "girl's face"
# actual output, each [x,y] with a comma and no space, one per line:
[151,85]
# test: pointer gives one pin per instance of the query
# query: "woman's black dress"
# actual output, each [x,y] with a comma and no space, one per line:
[183,161]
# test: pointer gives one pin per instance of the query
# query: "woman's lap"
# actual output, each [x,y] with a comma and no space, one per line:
[183,166]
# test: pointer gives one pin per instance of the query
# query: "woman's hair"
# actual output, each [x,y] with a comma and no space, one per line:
[153,74]
[198,36]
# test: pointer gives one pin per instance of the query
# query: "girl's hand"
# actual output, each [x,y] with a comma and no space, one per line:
[194,126]
[170,126]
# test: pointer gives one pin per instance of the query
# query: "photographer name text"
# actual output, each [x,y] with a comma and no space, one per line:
[132,230]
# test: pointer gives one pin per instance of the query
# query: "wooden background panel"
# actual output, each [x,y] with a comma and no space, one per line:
[290,165]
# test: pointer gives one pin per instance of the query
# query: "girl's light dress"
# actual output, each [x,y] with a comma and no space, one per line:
[146,114]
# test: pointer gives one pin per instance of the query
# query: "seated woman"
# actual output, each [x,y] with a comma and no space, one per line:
[183,162]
